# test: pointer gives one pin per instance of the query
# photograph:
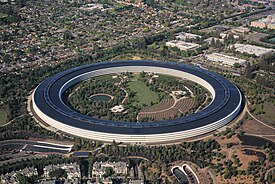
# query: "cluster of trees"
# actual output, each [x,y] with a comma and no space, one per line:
[24,179]
[58,173]
[268,39]
[199,152]
[230,168]
[25,127]
[80,97]
[265,64]
[229,132]
[257,94]
[11,14]
[108,171]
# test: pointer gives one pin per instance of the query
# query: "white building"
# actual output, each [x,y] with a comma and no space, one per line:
[268,22]
[224,59]
[118,167]
[72,170]
[209,40]
[182,45]
[184,36]
[252,49]
[224,35]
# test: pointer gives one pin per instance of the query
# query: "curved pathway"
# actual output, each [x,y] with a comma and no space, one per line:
[126,95]
[175,101]
[22,115]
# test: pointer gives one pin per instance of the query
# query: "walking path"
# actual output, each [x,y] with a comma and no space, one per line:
[175,102]
[13,120]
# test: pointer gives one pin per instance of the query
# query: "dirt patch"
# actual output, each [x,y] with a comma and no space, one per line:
[136,58]
[254,127]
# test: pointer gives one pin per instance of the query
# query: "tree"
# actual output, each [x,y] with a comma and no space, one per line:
[108,172]
[237,65]
[58,173]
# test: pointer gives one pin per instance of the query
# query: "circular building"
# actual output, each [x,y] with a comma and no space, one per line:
[48,106]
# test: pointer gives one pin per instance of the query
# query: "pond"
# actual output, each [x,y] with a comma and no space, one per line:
[101,97]
[255,141]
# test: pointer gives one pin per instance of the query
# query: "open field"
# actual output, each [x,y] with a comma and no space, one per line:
[143,93]
[3,118]
[269,116]
[256,37]
[254,127]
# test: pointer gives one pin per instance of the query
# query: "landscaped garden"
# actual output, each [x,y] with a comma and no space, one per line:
[137,97]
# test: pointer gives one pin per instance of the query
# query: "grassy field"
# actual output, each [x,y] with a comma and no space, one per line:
[143,93]
[3,118]
[269,116]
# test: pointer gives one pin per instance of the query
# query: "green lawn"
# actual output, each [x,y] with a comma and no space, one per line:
[143,93]
[3,118]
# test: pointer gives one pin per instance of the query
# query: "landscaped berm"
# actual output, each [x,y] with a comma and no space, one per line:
[143,94]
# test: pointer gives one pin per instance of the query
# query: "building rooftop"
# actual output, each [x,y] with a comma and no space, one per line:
[182,45]
[252,49]
[184,36]
[225,59]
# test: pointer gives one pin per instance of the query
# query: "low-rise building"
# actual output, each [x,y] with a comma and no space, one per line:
[72,170]
[209,40]
[224,35]
[11,177]
[185,36]
[268,22]
[225,59]
[240,30]
[252,49]
[118,167]
[182,45]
